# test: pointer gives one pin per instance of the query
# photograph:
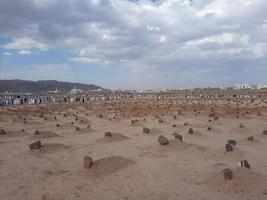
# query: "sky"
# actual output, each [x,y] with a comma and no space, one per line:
[135,44]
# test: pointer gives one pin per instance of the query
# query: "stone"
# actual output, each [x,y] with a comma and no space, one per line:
[146,130]
[228,147]
[174,125]
[58,125]
[244,163]
[228,174]
[190,131]
[250,138]
[77,128]
[163,140]
[232,142]
[264,132]
[2,132]
[178,136]
[209,128]
[87,162]
[107,134]
[36,132]
[35,145]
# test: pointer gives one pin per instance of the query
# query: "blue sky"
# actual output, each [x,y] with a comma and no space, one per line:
[135,44]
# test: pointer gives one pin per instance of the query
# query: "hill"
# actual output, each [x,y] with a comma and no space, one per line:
[25,86]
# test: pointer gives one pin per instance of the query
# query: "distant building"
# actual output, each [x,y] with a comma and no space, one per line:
[75,90]
[247,86]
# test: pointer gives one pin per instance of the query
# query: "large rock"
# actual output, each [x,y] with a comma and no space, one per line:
[228,147]
[163,140]
[228,174]
[146,130]
[35,145]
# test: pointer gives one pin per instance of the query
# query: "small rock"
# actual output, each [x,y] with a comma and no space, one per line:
[209,128]
[108,134]
[36,132]
[146,130]
[89,126]
[2,132]
[244,163]
[228,174]
[264,132]
[77,128]
[215,118]
[160,120]
[35,145]
[87,162]
[178,136]
[174,125]
[228,147]
[232,142]
[163,140]
[250,138]
[190,131]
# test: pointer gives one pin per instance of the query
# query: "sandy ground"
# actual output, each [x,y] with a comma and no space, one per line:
[131,164]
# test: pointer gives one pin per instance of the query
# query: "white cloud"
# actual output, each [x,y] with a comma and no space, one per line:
[38,72]
[24,52]
[24,44]
[7,54]
[85,60]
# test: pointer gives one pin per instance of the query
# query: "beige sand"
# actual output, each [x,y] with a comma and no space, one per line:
[131,164]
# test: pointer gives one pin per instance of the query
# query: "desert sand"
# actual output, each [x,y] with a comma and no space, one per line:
[131,164]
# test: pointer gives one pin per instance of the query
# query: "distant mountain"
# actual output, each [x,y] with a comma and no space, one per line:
[42,86]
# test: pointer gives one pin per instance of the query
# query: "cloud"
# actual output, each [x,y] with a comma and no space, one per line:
[38,72]
[24,52]
[24,44]
[84,60]
[184,38]
[7,54]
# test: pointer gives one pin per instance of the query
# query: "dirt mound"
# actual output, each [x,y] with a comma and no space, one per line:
[18,133]
[175,145]
[244,180]
[51,148]
[44,134]
[113,138]
[105,167]
[137,124]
